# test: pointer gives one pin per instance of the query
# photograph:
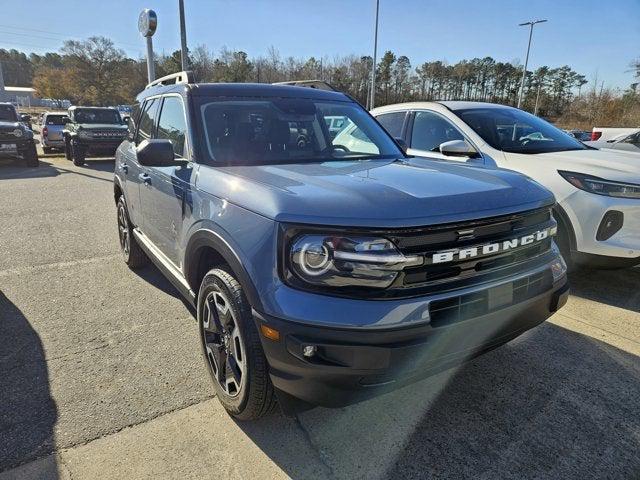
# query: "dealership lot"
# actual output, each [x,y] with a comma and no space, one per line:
[102,377]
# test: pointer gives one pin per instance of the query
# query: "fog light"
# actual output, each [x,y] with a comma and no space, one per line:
[309,350]
[558,266]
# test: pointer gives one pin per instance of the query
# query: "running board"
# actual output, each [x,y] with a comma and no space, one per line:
[166,266]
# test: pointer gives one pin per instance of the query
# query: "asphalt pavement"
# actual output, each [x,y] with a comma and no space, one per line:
[101,375]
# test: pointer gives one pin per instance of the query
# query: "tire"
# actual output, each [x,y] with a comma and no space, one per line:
[133,255]
[47,150]
[247,393]
[31,156]
[67,148]
[77,154]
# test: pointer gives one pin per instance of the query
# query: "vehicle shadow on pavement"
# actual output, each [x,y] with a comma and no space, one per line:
[153,276]
[551,404]
[101,164]
[28,414]
[10,170]
[618,288]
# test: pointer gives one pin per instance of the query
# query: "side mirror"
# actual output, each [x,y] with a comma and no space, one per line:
[402,144]
[458,148]
[156,153]
[25,118]
[66,120]
[125,120]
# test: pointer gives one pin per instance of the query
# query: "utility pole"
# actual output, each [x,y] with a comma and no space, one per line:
[372,93]
[535,109]
[183,38]
[526,62]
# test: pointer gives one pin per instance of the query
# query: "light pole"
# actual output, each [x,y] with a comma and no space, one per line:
[526,61]
[147,24]
[183,38]
[372,93]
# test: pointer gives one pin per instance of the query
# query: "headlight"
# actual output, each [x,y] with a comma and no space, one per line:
[600,186]
[84,134]
[558,266]
[337,261]
[18,132]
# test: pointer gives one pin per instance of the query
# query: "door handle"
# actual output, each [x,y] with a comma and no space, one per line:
[124,167]
[145,178]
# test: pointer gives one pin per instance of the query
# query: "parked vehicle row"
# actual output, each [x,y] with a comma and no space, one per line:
[609,133]
[597,191]
[326,272]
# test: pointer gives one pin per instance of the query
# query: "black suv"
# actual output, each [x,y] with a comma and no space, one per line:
[16,139]
[92,131]
[328,270]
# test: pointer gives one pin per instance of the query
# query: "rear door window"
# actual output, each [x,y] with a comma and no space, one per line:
[147,120]
[392,122]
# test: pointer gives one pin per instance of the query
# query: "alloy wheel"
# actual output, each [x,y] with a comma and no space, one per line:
[123,230]
[223,343]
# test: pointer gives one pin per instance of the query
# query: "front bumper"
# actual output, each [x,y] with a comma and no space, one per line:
[587,211]
[18,149]
[351,365]
[99,146]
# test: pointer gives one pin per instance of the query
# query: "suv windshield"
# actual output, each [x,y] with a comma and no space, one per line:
[515,131]
[8,114]
[97,115]
[289,130]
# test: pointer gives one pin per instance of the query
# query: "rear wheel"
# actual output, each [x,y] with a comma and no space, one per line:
[133,255]
[232,348]
[31,156]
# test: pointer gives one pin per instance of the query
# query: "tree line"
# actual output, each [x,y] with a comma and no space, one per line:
[95,72]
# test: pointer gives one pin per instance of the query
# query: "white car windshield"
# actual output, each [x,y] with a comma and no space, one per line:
[515,131]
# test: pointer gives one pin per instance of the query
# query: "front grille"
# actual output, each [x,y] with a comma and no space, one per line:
[464,307]
[461,272]
[8,135]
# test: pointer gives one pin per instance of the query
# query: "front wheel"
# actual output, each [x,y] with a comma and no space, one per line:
[67,148]
[31,156]
[232,348]
[77,153]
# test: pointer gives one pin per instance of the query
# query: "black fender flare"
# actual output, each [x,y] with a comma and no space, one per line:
[210,239]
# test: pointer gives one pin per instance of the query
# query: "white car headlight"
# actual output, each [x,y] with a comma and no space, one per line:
[600,186]
[18,132]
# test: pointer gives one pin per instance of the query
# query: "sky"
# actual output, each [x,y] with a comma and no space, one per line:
[594,37]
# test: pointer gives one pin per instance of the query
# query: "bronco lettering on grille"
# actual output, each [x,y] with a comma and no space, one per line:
[446,256]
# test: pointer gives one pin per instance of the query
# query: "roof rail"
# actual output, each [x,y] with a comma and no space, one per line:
[319,84]
[173,79]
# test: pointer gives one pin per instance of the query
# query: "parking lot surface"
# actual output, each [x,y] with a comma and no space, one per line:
[101,375]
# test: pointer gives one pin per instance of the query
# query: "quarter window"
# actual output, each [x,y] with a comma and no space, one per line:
[147,120]
[430,130]
[172,125]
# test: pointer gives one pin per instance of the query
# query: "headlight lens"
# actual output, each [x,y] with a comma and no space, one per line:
[600,186]
[18,132]
[346,261]
[559,266]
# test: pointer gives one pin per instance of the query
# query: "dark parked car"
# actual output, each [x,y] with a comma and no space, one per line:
[92,131]
[16,140]
[324,275]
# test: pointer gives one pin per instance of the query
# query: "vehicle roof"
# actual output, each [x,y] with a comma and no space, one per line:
[75,107]
[246,90]
[4,104]
[440,105]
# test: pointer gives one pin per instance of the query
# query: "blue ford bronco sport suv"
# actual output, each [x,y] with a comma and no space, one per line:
[324,275]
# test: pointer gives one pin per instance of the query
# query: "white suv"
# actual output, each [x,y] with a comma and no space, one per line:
[598,191]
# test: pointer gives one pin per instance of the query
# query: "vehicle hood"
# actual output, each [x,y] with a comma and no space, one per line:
[103,126]
[4,125]
[607,164]
[376,193]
